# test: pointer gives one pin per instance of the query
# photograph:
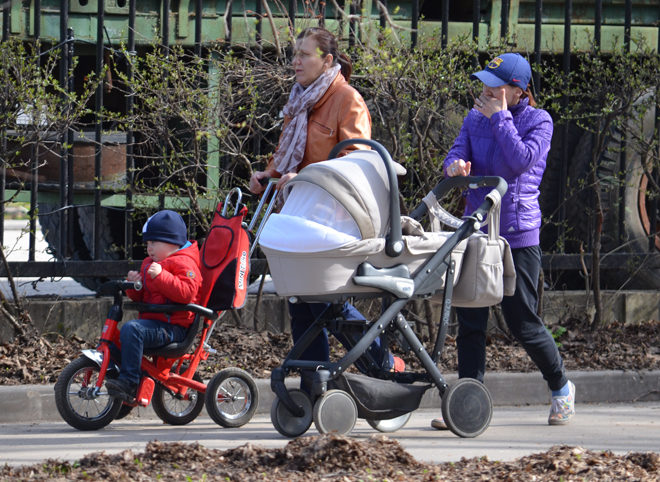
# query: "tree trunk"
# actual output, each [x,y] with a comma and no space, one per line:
[598,215]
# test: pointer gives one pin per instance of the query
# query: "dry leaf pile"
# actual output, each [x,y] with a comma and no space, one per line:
[334,458]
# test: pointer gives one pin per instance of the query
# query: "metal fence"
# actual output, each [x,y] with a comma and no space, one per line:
[19,21]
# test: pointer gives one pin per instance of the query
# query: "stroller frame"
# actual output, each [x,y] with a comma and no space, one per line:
[466,406]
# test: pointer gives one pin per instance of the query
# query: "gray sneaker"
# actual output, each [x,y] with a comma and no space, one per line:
[562,410]
[439,424]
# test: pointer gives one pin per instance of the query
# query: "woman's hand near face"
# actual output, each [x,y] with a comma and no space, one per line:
[459,168]
[284,179]
[490,101]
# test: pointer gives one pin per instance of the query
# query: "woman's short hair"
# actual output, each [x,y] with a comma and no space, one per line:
[327,44]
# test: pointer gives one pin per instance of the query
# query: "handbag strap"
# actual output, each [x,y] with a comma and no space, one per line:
[493,218]
[438,214]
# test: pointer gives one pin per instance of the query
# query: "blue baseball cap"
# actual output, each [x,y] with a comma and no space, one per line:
[510,69]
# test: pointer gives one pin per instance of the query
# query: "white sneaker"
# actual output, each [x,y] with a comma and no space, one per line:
[562,410]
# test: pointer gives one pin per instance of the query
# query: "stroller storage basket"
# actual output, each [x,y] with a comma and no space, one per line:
[380,399]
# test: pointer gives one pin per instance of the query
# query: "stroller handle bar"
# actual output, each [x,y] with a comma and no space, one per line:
[450,183]
[394,242]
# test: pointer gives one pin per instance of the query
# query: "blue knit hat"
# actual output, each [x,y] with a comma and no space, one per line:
[510,69]
[166,226]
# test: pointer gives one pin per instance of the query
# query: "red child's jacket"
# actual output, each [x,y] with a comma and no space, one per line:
[179,282]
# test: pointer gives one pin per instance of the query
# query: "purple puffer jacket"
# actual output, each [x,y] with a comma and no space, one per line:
[513,144]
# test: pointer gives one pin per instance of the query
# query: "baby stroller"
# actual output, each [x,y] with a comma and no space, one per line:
[351,242]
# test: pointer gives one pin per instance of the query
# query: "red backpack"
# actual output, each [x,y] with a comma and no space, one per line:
[225,261]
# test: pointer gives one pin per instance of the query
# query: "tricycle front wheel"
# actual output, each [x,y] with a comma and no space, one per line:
[77,400]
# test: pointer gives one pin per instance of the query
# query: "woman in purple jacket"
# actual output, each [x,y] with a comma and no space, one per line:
[504,135]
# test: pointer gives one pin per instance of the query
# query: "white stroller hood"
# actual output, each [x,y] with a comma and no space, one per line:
[331,204]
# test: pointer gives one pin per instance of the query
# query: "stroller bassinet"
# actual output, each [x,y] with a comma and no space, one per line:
[340,235]
[339,211]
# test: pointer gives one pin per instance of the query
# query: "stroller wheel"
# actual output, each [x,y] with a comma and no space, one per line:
[287,424]
[232,398]
[391,425]
[467,408]
[336,412]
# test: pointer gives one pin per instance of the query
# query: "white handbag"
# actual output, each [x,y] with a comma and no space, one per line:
[488,272]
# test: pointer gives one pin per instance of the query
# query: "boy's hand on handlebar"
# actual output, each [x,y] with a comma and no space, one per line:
[255,186]
[459,168]
[134,276]
[154,270]
[284,179]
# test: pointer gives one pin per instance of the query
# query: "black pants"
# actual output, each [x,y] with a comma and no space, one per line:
[520,315]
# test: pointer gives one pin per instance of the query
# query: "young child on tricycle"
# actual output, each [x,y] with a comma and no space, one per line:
[154,359]
[170,274]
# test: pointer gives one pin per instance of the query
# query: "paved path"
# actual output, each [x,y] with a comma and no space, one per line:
[514,432]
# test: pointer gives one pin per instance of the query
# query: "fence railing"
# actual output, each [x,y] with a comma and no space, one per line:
[92,27]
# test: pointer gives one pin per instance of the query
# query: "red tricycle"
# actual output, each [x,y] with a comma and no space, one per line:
[169,378]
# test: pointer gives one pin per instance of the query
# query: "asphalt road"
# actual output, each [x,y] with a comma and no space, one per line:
[514,432]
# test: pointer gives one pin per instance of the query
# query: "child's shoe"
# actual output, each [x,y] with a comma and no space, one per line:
[562,410]
[121,389]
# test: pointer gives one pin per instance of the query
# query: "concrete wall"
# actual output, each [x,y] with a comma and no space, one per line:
[85,316]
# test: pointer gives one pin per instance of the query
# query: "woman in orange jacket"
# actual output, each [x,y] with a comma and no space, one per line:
[322,111]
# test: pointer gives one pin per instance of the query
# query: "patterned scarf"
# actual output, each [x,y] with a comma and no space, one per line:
[294,137]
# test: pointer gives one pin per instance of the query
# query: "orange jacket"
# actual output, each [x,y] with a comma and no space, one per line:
[339,115]
[179,282]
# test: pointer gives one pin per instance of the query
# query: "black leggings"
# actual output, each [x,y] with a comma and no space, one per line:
[520,315]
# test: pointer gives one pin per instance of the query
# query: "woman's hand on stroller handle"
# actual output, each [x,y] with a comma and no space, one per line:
[260,180]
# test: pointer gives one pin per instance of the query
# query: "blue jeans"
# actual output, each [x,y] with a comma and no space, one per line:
[520,315]
[303,315]
[135,336]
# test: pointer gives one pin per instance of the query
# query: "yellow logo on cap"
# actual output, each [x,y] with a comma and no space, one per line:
[495,63]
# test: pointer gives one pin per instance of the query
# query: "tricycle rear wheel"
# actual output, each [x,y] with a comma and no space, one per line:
[124,412]
[232,398]
[175,411]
